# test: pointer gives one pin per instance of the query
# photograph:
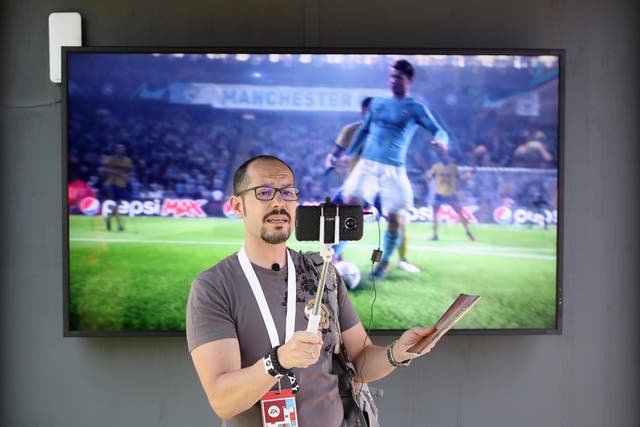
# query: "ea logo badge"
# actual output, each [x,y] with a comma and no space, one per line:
[273,411]
[89,206]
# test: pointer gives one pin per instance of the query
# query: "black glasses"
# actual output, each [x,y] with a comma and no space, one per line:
[263,192]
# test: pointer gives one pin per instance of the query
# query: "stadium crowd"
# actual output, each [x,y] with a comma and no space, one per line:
[189,152]
[182,151]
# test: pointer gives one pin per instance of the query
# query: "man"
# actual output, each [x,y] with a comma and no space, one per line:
[117,168]
[533,151]
[533,196]
[236,361]
[446,174]
[334,157]
[382,142]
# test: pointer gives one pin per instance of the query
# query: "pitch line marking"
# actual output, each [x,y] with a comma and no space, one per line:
[490,251]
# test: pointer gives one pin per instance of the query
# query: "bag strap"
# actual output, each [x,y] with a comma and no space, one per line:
[363,395]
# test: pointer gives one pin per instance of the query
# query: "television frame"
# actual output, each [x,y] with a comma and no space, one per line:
[559,53]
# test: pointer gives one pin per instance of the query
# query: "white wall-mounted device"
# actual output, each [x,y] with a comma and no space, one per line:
[65,29]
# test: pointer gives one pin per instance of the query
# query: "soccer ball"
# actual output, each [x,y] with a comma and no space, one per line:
[349,272]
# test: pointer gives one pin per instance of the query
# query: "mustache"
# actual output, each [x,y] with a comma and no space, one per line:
[277,212]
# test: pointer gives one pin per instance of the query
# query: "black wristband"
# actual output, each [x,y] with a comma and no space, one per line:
[392,360]
[272,364]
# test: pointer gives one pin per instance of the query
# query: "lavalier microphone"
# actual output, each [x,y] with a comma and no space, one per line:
[275,266]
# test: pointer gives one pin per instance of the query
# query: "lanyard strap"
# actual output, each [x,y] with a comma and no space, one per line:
[250,274]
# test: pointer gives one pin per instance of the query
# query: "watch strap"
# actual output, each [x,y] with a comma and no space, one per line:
[392,360]
[272,364]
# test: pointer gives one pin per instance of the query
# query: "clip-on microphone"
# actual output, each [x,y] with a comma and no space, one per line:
[326,251]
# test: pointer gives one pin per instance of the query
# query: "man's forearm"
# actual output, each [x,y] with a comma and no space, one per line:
[372,364]
[235,392]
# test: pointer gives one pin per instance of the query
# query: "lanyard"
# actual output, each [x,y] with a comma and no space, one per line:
[247,268]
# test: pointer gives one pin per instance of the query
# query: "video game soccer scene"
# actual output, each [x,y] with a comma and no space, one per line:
[153,139]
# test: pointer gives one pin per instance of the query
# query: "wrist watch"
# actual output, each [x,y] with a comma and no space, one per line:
[392,360]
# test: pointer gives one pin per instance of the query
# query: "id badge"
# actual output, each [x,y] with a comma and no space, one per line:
[279,409]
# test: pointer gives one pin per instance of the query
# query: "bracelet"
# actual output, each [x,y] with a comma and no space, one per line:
[392,360]
[272,364]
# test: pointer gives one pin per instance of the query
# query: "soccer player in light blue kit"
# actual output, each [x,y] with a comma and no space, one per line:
[382,143]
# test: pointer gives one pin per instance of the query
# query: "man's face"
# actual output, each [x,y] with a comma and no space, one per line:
[267,220]
[399,83]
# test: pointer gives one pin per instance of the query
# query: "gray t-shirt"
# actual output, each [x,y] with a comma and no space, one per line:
[221,305]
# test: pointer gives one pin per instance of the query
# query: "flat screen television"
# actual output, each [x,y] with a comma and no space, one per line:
[157,133]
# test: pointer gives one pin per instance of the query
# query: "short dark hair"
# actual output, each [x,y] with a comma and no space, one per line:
[241,173]
[404,67]
[365,102]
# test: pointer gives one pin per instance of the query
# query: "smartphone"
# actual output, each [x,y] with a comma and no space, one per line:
[350,222]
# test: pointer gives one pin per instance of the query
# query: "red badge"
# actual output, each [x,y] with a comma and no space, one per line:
[279,409]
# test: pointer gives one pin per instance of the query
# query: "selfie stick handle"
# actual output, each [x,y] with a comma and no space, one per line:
[316,312]
[327,254]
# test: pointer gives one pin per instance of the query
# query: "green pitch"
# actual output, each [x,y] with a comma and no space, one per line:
[139,279]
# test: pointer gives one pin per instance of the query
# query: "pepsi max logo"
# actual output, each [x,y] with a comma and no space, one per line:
[503,215]
[90,206]
[228,211]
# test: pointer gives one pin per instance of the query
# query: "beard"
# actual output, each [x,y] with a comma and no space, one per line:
[277,236]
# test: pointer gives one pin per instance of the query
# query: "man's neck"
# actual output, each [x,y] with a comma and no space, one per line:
[265,255]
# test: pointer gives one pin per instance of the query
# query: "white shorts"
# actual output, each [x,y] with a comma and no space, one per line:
[369,179]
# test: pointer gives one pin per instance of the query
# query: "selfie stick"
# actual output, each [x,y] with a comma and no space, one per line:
[326,251]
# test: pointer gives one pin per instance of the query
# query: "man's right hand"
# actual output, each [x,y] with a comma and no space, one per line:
[441,146]
[301,351]
[330,162]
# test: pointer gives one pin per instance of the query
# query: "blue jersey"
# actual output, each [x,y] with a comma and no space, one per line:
[387,130]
